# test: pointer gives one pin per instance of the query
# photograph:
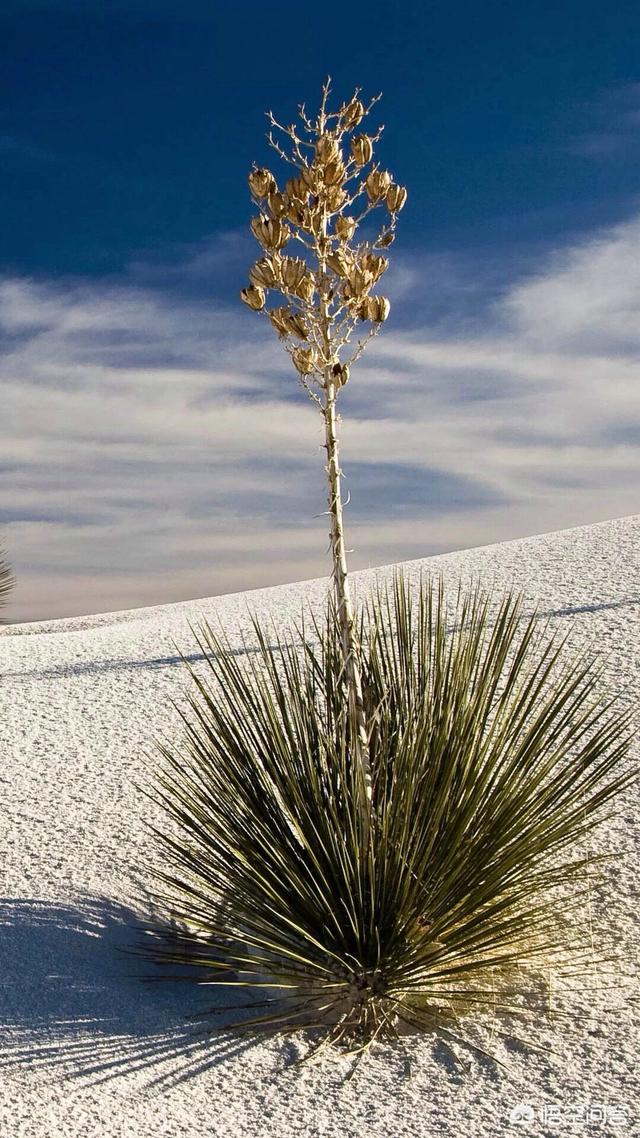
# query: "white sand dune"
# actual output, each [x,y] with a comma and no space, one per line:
[88,1049]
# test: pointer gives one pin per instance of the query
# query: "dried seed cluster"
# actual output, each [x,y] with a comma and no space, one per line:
[327,291]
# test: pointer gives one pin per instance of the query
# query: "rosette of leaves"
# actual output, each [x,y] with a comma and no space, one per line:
[492,754]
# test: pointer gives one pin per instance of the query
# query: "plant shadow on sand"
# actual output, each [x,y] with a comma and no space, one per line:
[75,998]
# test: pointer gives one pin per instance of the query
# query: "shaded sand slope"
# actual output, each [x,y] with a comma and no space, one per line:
[87,1049]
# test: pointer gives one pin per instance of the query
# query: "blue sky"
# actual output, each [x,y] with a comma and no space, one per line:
[154,444]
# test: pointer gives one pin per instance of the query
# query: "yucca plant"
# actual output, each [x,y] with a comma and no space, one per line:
[491,755]
[372,817]
[7,580]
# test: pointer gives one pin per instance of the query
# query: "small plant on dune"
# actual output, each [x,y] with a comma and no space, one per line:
[372,817]
[7,580]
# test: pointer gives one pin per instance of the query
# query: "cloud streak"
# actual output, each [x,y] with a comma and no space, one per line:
[612,129]
[155,445]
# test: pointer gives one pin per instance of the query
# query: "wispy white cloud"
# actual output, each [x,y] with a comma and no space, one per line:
[155,446]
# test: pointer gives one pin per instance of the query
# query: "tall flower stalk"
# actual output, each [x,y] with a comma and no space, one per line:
[328,297]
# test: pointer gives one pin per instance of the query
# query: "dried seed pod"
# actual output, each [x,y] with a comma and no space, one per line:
[279,318]
[311,178]
[333,174]
[396,197]
[340,262]
[374,265]
[253,297]
[304,360]
[335,198]
[382,308]
[306,288]
[385,240]
[277,204]
[256,227]
[361,149]
[377,184]
[327,150]
[296,190]
[340,374]
[279,234]
[262,182]
[264,273]
[297,326]
[352,114]
[292,272]
[374,308]
[295,213]
[360,281]
[270,232]
[345,228]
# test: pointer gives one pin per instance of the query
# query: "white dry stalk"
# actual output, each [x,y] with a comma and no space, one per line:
[327,294]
